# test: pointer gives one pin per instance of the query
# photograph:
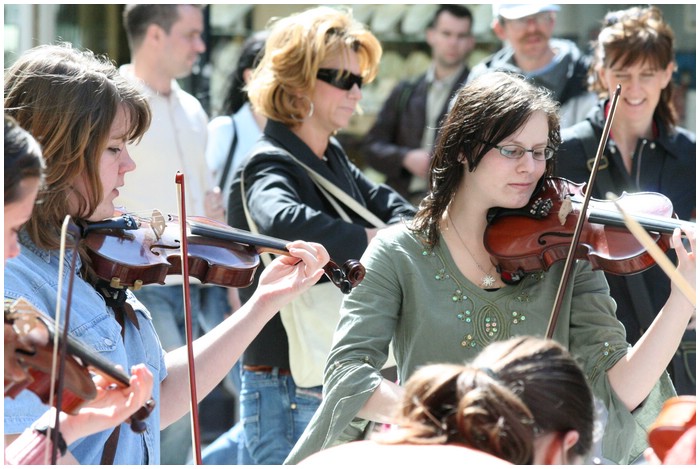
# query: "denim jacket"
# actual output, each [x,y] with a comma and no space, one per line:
[33,276]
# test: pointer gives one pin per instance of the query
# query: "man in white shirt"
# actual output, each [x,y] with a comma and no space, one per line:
[165,43]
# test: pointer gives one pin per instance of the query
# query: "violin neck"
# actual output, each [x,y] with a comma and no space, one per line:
[661,225]
[260,242]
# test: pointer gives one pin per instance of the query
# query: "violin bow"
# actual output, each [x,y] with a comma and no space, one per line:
[582,216]
[655,251]
[60,347]
[194,411]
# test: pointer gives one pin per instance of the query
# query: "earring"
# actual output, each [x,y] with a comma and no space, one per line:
[311,110]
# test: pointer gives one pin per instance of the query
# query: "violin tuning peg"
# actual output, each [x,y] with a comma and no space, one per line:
[115,282]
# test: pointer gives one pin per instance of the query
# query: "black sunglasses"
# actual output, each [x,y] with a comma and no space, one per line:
[341,79]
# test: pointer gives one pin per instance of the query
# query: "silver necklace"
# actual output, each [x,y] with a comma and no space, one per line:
[488,280]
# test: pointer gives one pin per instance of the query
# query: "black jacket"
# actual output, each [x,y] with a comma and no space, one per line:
[285,203]
[399,129]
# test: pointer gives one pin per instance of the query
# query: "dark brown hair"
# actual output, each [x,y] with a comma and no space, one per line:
[488,109]
[514,391]
[138,17]
[23,159]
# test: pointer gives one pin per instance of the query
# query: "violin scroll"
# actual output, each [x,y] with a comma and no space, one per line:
[531,239]
[347,277]
[136,421]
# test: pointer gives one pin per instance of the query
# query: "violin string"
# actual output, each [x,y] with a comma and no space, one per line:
[488,280]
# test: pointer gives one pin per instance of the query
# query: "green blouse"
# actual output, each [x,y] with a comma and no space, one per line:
[420,299]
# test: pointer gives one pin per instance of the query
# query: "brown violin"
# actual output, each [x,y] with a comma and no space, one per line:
[132,252]
[31,335]
[531,239]
[676,416]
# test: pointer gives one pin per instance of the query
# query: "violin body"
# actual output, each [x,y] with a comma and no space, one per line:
[676,416]
[132,258]
[37,362]
[30,335]
[533,238]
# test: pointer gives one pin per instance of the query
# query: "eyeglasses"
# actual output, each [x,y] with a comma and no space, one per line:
[341,79]
[515,152]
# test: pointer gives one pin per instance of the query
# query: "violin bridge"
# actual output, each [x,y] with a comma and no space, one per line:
[158,223]
[565,209]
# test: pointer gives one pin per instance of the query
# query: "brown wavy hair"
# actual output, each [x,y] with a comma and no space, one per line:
[512,392]
[637,35]
[68,99]
[295,49]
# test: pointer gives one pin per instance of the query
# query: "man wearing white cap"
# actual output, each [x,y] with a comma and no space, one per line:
[530,50]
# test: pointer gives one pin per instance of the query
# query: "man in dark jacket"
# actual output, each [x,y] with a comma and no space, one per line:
[400,142]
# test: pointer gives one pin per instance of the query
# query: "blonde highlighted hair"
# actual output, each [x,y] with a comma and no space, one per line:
[295,50]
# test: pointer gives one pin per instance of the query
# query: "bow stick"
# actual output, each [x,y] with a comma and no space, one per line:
[60,346]
[180,182]
[582,216]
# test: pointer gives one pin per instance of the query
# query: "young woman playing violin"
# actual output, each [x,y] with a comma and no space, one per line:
[84,113]
[112,406]
[431,286]
[646,151]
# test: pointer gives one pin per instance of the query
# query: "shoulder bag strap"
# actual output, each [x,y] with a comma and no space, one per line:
[328,187]
[635,283]
[229,158]
[252,226]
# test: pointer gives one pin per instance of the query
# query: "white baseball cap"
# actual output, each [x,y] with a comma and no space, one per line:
[516,11]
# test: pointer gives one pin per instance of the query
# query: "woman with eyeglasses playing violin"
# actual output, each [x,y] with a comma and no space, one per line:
[308,85]
[646,151]
[23,177]
[432,286]
[83,113]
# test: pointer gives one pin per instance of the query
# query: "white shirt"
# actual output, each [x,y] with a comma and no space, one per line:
[175,141]
[220,135]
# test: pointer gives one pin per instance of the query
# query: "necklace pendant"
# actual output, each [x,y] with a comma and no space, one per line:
[488,281]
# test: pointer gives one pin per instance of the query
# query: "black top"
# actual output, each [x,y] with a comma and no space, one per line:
[285,203]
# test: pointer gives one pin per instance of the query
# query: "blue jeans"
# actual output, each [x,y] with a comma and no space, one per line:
[227,449]
[166,305]
[274,414]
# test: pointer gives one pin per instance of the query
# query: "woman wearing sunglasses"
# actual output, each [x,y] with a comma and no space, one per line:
[308,85]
